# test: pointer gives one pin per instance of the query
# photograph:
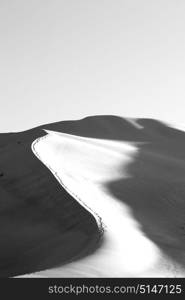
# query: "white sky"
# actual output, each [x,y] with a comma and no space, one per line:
[67,59]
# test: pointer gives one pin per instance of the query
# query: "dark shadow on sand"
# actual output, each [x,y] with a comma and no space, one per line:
[155,189]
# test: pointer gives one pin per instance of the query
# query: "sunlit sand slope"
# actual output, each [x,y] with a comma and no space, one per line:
[88,169]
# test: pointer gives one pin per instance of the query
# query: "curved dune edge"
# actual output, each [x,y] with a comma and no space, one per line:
[96,216]
[161,266]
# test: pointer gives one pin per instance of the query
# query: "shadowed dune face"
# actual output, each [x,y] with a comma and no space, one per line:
[41,225]
[154,192]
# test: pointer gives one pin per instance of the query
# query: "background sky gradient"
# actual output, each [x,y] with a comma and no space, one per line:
[67,59]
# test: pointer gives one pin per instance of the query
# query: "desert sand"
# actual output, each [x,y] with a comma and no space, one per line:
[98,197]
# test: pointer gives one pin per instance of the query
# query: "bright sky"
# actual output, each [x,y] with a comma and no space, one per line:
[67,59]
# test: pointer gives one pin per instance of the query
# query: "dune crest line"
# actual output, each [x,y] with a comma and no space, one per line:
[96,216]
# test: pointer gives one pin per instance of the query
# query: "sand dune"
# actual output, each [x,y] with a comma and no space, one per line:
[105,193]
